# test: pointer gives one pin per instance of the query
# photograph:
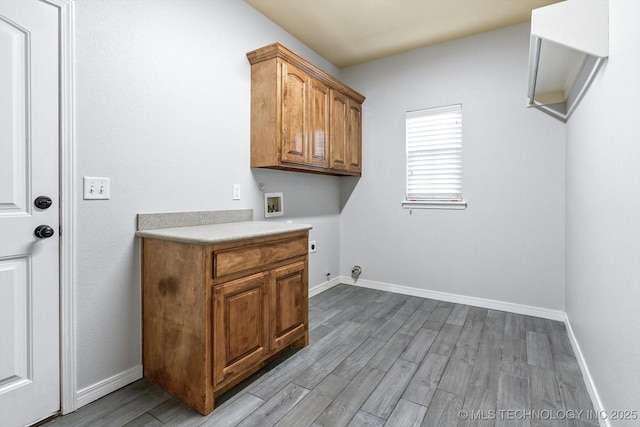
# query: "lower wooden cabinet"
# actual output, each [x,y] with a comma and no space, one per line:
[210,320]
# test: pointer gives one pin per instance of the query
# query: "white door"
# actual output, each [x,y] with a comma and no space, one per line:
[29,265]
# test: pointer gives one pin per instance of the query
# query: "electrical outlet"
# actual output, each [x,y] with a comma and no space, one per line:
[95,188]
[236,191]
[312,246]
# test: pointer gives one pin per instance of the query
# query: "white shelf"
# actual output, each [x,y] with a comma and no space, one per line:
[569,42]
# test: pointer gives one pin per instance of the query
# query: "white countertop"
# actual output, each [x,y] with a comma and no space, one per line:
[219,233]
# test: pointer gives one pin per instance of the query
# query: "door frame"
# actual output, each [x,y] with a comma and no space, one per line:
[67,176]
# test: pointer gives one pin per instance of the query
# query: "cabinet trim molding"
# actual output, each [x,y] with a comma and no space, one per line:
[277,50]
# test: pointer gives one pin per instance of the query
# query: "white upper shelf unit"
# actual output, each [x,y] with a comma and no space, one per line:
[569,42]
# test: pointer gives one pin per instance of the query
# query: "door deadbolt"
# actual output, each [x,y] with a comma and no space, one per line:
[42,202]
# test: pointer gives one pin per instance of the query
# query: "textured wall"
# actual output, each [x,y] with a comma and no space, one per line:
[603,218]
[509,244]
[163,109]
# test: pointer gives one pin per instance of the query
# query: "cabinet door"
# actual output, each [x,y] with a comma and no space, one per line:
[241,325]
[338,136]
[289,304]
[293,114]
[354,137]
[318,135]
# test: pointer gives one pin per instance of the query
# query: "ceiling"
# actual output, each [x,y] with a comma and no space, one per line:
[349,32]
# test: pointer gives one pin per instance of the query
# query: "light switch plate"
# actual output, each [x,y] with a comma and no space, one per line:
[96,188]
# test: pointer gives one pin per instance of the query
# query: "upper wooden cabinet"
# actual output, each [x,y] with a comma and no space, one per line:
[302,119]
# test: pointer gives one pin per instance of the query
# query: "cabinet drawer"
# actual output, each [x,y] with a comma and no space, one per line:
[243,258]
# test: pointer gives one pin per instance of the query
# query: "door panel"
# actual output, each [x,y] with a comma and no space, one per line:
[13,118]
[29,266]
[338,117]
[318,123]
[241,310]
[288,297]
[293,115]
[15,324]
[354,144]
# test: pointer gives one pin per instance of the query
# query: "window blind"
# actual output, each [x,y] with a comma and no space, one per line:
[434,153]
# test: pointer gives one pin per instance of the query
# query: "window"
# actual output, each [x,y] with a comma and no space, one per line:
[434,158]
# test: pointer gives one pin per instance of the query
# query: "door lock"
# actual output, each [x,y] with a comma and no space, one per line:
[42,202]
[43,232]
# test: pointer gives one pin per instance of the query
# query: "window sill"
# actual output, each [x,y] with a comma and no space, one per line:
[433,204]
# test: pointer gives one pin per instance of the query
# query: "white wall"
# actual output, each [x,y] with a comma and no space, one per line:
[603,217]
[163,109]
[509,244]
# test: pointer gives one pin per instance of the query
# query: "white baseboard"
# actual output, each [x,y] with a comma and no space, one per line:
[325,286]
[109,385]
[586,375]
[510,307]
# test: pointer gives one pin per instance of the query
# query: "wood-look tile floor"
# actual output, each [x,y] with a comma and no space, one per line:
[377,358]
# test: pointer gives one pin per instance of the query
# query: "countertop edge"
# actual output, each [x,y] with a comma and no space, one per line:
[174,234]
